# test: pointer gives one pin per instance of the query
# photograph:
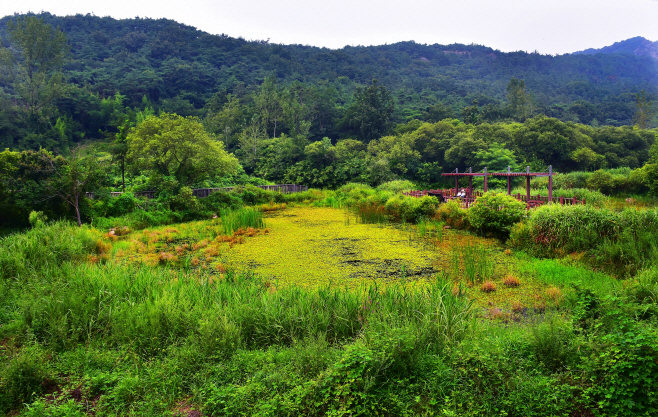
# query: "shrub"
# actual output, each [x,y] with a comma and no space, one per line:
[624,365]
[396,186]
[410,209]
[496,213]
[185,201]
[601,181]
[452,215]
[252,195]
[23,378]
[552,343]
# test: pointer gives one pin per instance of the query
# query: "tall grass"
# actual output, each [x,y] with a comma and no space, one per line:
[151,309]
[47,246]
[622,241]
[472,261]
[242,218]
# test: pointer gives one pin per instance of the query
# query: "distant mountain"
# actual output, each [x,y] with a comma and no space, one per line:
[635,46]
[180,69]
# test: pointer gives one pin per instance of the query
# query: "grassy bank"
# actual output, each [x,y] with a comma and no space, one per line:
[84,335]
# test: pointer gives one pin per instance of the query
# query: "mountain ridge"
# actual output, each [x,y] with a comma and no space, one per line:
[638,46]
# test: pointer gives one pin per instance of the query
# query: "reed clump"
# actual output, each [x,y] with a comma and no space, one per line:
[488,286]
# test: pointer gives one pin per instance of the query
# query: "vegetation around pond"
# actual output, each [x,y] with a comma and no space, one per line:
[128,323]
[350,299]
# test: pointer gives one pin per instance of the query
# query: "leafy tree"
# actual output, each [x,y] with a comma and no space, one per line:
[399,151]
[371,111]
[437,112]
[73,177]
[644,111]
[119,150]
[226,122]
[651,171]
[268,104]
[174,146]
[496,158]
[470,113]
[251,142]
[36,75]
[587,158]
[520,102]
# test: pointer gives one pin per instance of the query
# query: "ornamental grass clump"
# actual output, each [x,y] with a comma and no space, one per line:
[488,286]
[511,281]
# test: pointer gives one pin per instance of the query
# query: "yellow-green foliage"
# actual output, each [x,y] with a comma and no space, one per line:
[314,246]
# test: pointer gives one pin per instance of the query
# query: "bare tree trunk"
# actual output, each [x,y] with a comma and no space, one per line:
[77,209]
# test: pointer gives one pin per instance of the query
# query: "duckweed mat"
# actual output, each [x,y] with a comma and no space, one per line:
[318,246]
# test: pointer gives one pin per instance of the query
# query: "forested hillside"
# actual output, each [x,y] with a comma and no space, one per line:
[171,67]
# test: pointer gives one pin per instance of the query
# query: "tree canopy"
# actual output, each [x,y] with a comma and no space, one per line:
[170,145]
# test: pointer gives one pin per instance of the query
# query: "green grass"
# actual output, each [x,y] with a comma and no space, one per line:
[90,338]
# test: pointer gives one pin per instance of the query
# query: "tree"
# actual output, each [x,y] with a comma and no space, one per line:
[520,102]
[73,177]
[371,111]
[587,158]
[496,158]
[170,145]
[251,142]
[470,113]
[37,78]
[119,150]
[644,111]
[226,121]
[437,112]
[268,104]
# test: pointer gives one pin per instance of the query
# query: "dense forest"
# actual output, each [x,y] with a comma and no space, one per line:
[165,107]
[176,68]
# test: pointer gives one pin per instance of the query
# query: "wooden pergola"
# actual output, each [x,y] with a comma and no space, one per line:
[509,175]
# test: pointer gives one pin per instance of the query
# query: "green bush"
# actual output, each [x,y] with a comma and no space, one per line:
[185,201]
[23,378]
[621,241]
[396,186]
[623,366]
[410,209]
[221,201]
[601,181]
[495,214]
[453,215]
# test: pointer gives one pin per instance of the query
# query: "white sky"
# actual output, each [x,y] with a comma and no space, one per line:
[550,27]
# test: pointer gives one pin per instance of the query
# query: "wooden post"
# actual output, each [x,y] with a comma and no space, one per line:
[485,179]
[456,181]
[470,182]
[509,186]
[550,183]
[527,184]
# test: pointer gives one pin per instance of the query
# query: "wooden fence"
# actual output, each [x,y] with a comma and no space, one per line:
[469,199]
[205,192]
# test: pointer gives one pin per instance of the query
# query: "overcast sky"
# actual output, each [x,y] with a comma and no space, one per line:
[553,27]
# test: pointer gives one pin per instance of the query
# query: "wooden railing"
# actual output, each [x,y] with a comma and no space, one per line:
[468,200]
